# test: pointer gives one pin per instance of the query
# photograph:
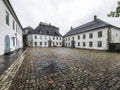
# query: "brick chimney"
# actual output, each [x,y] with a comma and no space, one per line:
[95,18]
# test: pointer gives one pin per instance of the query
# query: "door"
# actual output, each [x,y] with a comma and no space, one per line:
[49,43]
[7,44]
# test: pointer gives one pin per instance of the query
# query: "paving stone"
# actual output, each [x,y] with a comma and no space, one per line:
[51,69]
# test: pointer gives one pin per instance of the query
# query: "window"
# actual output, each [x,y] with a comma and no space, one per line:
[99,44]
[90,44]
[40,43]
[78,37]
[56,43]
[100,34]
[53,38]
[73,38]
[84,44]
[91,35]
[60,43]
[40,37]
[35,37]
[16,28]
[66,44]
[40,32]
[57,38]
[45,37]
[84,36]
[60,38]
[7,18]
[35,43]
[53,43]
[68,39]
[78,43]
[13,24]
[45,43]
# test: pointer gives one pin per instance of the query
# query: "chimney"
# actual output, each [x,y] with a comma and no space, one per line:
[71,28]
[95,18]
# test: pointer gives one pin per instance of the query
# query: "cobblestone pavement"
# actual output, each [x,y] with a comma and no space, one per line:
[68,69]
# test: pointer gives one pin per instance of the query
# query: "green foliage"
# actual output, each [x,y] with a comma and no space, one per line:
[115,13]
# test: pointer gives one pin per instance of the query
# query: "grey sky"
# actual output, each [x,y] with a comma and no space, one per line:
[63,13]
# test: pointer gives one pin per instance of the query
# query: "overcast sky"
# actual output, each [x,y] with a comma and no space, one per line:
[63,13]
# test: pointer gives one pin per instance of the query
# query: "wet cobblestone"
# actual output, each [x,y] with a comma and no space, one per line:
[68,69]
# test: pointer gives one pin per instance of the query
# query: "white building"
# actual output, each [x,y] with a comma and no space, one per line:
[10,29]
[96,34]
[45,35]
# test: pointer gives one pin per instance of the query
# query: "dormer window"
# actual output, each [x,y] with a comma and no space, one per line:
[55,33]
[49,32]
[40,32]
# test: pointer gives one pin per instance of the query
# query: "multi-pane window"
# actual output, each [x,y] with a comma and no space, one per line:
[84,36]
[91,35]
[100,34]
[53,38]
[45,37]
[84,44]
[78,43]
[7,18]
[40,43]
[16,28]
[56,43]
[73,38]
[45,43]
[60,38]
[78,37]
[57,38]
[99,43]
[60,43]
[90,44]
[35,37]
[68,39]
[40,37]
[13,24]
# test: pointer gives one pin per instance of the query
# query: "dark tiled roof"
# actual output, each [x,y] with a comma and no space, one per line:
[29,28]
[87,27]
[46,30]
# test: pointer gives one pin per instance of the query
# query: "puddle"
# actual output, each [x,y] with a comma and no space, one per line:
[45,67]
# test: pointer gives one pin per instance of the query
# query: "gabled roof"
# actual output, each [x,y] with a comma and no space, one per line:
[88,27]
[43,29]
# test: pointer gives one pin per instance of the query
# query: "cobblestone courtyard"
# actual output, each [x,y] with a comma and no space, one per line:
[68,69]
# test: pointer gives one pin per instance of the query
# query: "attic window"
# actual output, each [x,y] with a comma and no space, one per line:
[40,32]
[55,33]
[49,32]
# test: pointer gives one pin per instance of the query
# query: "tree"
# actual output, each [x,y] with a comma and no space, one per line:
[115,13]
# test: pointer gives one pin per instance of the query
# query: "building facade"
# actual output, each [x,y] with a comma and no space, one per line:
[45,35]
[96,34]
[10,28]
[26,32]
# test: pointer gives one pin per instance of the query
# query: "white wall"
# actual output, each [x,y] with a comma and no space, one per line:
[43,39]
[8,30]
[87,39]
[115,35]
